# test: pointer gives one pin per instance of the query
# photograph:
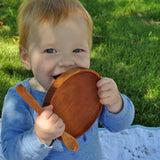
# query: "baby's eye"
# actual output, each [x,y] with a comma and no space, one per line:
[78,50]
[50,51]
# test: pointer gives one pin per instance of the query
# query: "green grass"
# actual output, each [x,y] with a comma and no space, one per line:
[126,48]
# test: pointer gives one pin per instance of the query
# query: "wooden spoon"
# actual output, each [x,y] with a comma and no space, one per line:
[69,141]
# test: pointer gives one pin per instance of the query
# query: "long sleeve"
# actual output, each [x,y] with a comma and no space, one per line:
[120,121]
[18,138]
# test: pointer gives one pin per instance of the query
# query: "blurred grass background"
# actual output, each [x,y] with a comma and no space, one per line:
[126,48]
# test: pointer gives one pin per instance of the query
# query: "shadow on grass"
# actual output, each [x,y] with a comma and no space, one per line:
[147,108]
[107,26]
[8,15]
[14,75]
[19,72]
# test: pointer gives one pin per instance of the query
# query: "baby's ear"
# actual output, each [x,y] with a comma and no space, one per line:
[25,57]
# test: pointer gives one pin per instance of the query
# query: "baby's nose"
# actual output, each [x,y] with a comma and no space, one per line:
[66,60]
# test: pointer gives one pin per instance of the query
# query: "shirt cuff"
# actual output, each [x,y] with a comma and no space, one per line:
[33,146]
[122,120]
[123,111]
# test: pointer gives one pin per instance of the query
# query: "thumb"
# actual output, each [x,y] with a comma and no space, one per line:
[48,111]
[50,107]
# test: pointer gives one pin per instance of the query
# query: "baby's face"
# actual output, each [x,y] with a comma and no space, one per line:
[53,50]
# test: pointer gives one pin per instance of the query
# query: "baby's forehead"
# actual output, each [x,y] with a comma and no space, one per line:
[76,17]
[72,29]
[72,19]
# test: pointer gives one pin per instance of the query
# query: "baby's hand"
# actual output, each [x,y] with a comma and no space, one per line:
[109,95]
[48,126]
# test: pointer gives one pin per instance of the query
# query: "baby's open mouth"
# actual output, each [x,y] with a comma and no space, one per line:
[55,77]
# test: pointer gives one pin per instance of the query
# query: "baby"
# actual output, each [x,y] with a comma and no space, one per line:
[56,35]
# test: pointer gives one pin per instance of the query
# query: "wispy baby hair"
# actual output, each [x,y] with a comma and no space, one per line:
[33,12]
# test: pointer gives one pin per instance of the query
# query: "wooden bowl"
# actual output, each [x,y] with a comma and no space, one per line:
[74,97]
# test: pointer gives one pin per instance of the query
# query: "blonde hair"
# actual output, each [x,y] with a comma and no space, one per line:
[40,11]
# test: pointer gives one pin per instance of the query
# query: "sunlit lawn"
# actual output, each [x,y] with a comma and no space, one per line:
[126,47]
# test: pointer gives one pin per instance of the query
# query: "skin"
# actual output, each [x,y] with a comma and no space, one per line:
[52,51]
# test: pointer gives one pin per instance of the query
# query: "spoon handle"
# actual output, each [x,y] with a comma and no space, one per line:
[69,141]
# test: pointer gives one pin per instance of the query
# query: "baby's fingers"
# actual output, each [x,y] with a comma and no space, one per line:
[57,120]
[60,123]
[103,81]
[46,114]
[54,118]
[103,94]
[50,107]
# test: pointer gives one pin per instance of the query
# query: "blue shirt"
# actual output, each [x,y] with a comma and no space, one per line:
[19,142]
